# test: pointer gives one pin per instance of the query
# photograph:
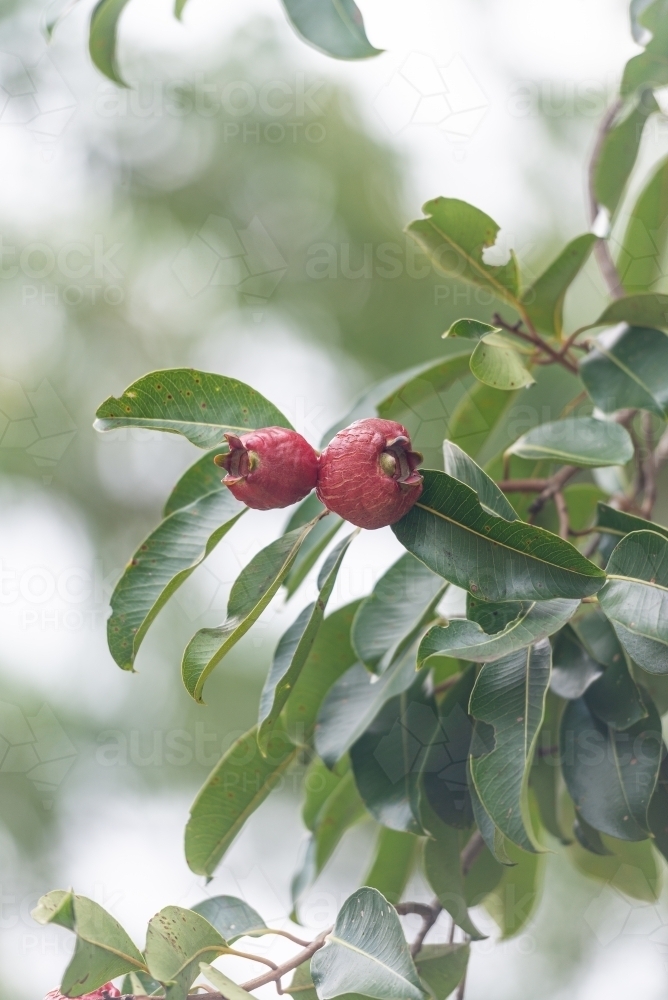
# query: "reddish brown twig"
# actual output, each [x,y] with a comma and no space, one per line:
[562,514]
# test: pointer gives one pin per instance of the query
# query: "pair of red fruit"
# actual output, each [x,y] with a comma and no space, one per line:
[366,474]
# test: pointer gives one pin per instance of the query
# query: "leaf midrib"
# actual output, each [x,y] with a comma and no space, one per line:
[489,277]
[372,958]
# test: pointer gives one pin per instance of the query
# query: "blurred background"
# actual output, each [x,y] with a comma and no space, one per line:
[239,208]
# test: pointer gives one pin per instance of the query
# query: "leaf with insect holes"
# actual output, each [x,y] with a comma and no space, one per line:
[649,68]
[177,941]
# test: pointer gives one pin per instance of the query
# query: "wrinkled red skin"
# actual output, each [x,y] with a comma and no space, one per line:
[353,483]
[268,468]
[103,993]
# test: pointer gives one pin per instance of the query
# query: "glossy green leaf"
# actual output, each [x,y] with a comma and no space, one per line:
[232,917]
[631,868]
[483,876]
[635,598]
[302,988]
[387,759]
[103,950]
[319,783]
[442,967]
[617,523]
[334,27]
[366,951]
[330,657]
[628,367]
[545,779]
[202,478]
[589,838]
[315,544]
[497,560]
[238,784]
[610,774]
[161,564]
[650,68]
[393,863]
[573,669]
[227,987]
[177,940]
[466,640]
[497,363]
[460,466]
[647,310]
[513,902]
[400,605]
[494,616]
[201,406]
[295,645]
[544,300]
[444,779]
[454,236]
[470,329]
[640,259]
[251,592]
[509,697]
[576,441]
[619,152]
[494,839]
[476,415]
[443,871]
[103,37]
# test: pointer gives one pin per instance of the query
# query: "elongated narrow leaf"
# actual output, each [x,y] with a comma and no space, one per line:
[161,564]
[228,988]
[402,601]
[177,940]
[640,259]
[102,39]
[232,917]
[497,363]
[494,616]
[103,950]
[295,645]
[545,777]
[494,559]
[514,900]
[576,441]
[238,784]
[573,669]
[610,774]
[444,780]
[466,640]
[628,367]
[494,839]
[315,544]
[649,69]
[334,27]
[647,310]
[366,951]
[251,592]
[619,152]
[544,300]
[196,482]
[454,236]
[617,523]
[635,598]
[442,967]
[460,466]
[388,758]
[199,405]
[393,863]
[443,871]
[509,697]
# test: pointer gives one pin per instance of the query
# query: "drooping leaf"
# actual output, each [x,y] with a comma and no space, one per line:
[442,967]
[635,598]
[617,523]
[393,863]
[466,640]
[647,310]
[460,466]
[229,989]
[573,669]
[615,698]
[161,564]
[640,259]
[238,784]
[444,780]
[330,657]
[443,871]
[199,405]
[454,236]
[177,940]
[589,838]
[315,544]
[494,839]
[509,697]
[576,441]
[103,950]
[496,362]
[202,478]
[475,417]
[232,917]
[619,151]
[366,951]
[295,645]
[630,867]
[494,616]
[251,592]
[650,67]
[514,900]
[334,27]
[544,299]
[497,560]
[401,604]
[103,37]
[545,776]
[610,774]
[470,329]
[628,367]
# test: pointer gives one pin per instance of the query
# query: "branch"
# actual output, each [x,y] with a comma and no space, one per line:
[292,963]
[649,466]
[536,341]
[562,514]
[522,485]
[554,485]
[602,248]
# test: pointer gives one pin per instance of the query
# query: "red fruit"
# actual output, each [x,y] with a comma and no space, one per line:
[367,473]
[106,992]
[271,467]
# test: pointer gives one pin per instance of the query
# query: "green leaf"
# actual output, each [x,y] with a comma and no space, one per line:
[196,482]
[494,839]
[628,367]
[161,564]
[454,236]
[251,592]
[103,37]
[366,951]
[573,669]
[443,871]
[466,640]
[576,441]
[494,616]
[387,759]
[497,363]
[103,950]
[470,329]
[238,784]
[509,697]
[393,863]
[514,900]
[334,27]
[442,967]
[619,152]
[649,310]
[226,986]
[231,917]
[628,867]
[139,984]
[201,406]
[544,300]
[400,605]
[589,838]
[177,940]
[545,776]
[444,780]
[319,783]
[330,657]
[302,988]
[610,774]
[475,417]
[295,645]
[617,523]
[497,560]
[460,466]
[640,259]
[635,598]
[657,813]
[315,544]
[650,68]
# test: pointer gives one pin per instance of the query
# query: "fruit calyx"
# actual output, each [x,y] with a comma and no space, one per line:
[269,467]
